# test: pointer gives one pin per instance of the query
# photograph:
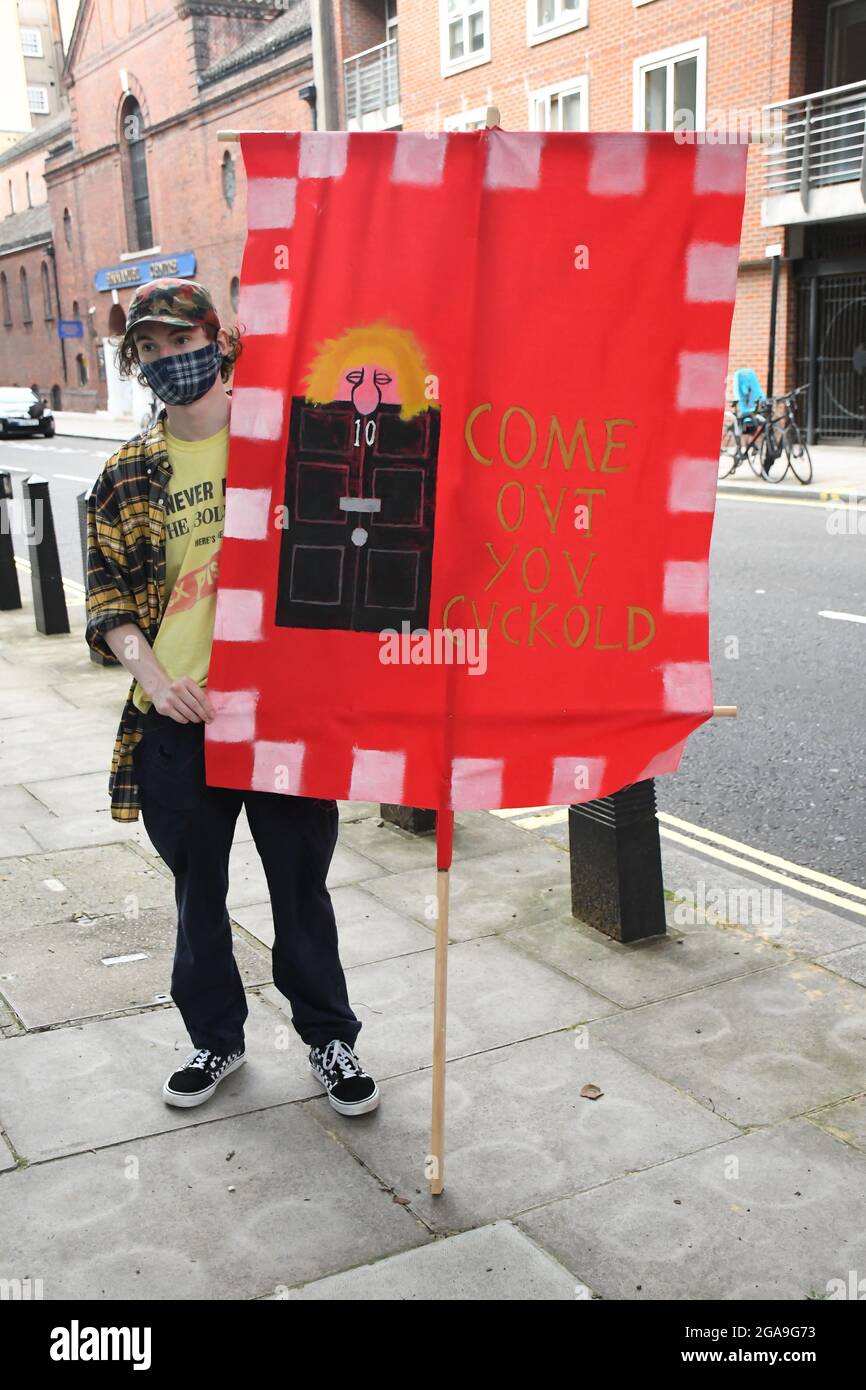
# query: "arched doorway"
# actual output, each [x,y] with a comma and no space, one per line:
[116,321]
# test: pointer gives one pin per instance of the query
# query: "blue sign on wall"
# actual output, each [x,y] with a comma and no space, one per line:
[70,328]
[132,273]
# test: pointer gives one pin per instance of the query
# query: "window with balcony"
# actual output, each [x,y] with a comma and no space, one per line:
[547,19]
[670,88]
[37,100]
[371,86]
[31,43]
[562,106]
[465,34]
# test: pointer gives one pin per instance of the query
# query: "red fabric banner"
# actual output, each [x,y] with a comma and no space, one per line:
[474,445]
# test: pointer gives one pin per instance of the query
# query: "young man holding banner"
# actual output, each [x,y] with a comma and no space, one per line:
[154,530]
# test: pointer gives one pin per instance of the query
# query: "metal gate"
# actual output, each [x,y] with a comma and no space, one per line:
[835,362]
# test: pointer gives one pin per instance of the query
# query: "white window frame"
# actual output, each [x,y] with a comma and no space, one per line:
[540,33]
[694,48]
[460,120]
[471,60]
[32,90]
[35,35]
[640,2]
[563,87]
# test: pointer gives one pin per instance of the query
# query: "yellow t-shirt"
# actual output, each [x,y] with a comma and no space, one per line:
[194,516]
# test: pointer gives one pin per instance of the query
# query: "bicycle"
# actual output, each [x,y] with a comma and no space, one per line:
[783,446]
[775,442]
[742,436]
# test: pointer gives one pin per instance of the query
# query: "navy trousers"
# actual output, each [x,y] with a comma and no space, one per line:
[192,826]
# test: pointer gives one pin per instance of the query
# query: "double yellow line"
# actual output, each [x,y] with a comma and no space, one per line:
[758,862]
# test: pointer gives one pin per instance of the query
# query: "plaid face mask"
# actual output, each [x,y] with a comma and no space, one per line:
[183,377]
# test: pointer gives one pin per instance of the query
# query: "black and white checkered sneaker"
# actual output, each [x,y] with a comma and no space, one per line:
[350,1090]
[200,1075]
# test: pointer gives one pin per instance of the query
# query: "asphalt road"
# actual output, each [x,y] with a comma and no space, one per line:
[71,465]
[787,776]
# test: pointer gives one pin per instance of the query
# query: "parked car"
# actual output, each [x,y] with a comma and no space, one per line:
[22,412]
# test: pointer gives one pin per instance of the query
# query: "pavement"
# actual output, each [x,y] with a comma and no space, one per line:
[838,474]
[725,1157]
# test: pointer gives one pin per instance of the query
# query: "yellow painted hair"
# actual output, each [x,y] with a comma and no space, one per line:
[395,349]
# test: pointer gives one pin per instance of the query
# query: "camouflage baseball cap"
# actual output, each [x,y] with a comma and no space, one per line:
[181,303]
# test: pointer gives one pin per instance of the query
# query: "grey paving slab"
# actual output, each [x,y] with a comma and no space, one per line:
[765,910]
[850,962]
[644,971]
[91,690]
[99,1083]
[11,670]
[777,1214]
[845,1120]
[26,760]
[51,887]
[368,931]
[494,1263]
[248,884]
[758,1049]
[15,841]
[496,996]
[56,725]
[57,972]
[518,1133]
[230,1209]
[24,700]
[493,894]
[17,805]
[475,833]
[63,796]
[79,831]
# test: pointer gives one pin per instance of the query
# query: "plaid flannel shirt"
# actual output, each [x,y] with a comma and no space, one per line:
[126,576]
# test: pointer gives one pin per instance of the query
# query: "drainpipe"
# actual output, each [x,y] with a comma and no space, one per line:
[49,251]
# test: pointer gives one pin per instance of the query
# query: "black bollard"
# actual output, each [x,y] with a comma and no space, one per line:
[49,601]
[616,864]
[10,593]
[411,818]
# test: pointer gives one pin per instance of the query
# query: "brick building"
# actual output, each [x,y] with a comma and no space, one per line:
[136,182]
[646,64]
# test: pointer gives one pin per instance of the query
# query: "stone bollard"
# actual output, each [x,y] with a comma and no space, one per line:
[411,818]
[616,865]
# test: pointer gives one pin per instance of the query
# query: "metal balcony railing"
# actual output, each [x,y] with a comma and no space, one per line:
[371,80]
[823,138]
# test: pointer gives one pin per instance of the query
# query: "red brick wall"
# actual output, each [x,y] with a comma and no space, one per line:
[30,352]
[604,51]
[184,162]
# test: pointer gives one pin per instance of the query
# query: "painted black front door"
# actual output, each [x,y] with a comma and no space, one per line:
[357,546]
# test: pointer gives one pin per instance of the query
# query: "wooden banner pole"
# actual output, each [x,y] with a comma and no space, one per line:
[440,1013]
